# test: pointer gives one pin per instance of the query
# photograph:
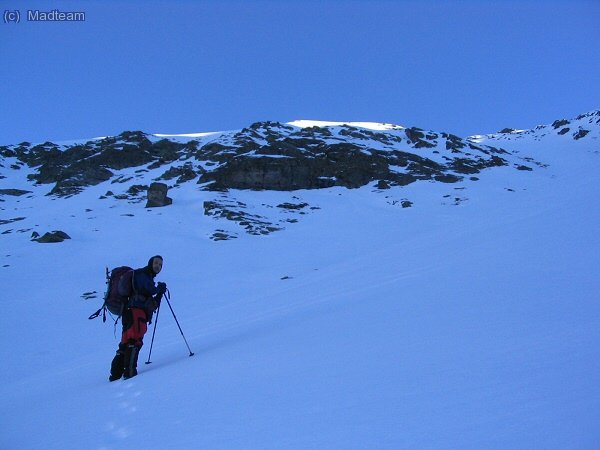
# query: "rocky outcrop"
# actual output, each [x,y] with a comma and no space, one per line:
[310,158]
[334,165]
[263,156]
[235,211]
[78,166]
[182,173]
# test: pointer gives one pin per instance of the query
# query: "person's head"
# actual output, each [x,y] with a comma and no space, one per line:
[155,264]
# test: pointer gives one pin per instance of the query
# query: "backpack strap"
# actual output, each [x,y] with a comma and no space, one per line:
[115,327]
[133,289]
[97,313]
[102,311]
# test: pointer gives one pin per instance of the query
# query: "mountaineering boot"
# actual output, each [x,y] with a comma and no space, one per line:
[131,358]
[117,366]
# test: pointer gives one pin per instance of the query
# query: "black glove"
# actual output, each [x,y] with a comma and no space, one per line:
[162,288]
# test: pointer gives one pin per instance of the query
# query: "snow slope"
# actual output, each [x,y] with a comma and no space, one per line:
[470,320]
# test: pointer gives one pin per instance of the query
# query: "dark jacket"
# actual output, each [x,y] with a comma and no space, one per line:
[145,291]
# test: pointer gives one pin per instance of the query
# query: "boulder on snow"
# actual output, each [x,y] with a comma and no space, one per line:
[50,237]
[157,196]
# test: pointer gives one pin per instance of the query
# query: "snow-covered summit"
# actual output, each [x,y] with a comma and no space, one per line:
[323,123]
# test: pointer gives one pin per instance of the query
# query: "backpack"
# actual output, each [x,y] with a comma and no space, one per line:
[119,287]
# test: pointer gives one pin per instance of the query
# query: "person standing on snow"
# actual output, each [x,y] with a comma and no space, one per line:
[142,304]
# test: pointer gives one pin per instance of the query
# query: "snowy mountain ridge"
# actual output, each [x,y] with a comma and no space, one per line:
[310,157]
[267,156]
[457,310]
[576,128]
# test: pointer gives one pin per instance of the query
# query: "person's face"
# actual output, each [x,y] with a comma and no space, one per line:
[157,265]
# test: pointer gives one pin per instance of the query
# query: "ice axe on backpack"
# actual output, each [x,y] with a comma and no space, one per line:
[167,296]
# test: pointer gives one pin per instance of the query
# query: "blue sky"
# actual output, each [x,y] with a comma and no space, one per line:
[464,67]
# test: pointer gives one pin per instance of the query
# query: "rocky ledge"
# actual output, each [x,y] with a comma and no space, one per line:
[264,156]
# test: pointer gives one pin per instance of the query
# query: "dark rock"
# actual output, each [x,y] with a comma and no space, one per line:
[51,237]
[580,134]
[417,137]
[157,196]
[414,134]
[382,184]
[262,173]
[136,189]
[72,181]
[216,151]
[134,136]
[14,192]
[6,221]
[447,178]
[121,179]
[7,152]
[88,164]
[475,165]
[292,206]
[560,123]
[234,211]
[220,235]
[183,173]
[165,150]
[522,167]
[334,165]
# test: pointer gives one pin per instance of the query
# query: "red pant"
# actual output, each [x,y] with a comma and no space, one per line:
[134,327]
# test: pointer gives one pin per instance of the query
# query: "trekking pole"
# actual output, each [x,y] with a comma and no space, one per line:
[153,333]
[167,297]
